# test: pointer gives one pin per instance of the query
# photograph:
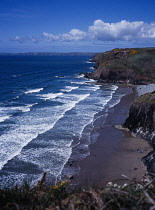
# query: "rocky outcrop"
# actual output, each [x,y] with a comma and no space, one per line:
[141,122]
[135,66]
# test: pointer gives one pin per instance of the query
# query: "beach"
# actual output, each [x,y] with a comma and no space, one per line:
[116,155]
[62,123]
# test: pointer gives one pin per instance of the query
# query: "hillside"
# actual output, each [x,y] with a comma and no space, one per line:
[135,66]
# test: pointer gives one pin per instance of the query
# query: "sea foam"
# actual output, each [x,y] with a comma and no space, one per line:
[34,90]
[49,96]
[28,127]
[69,88]
[3,118]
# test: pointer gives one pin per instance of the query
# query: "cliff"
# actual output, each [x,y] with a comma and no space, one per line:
[135,66]
[141,122]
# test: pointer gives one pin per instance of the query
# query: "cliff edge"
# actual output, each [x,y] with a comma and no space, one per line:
[141,122]
[134,66]
[141,119]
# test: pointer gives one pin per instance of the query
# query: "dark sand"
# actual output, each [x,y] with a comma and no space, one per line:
[115,152]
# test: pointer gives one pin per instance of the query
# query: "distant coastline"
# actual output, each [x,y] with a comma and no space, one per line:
[52,53]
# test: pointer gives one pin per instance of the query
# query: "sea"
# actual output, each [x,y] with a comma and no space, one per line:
[48,113]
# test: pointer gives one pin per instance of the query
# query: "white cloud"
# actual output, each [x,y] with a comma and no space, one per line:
[123,30]
[73,35]
[18,39]
[34,39]
[22,40]
[101,31]
[50,37]
[148,31]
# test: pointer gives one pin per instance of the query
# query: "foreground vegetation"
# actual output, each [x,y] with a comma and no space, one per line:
[112,196]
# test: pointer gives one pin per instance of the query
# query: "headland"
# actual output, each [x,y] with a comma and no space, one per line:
[118,153]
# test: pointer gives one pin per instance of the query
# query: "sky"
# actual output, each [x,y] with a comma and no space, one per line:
[75,25]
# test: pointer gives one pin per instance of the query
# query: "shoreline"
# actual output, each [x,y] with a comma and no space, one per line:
[116,151]
[81,151]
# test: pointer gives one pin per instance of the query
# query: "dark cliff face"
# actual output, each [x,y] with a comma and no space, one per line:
[135,66]
[141,120]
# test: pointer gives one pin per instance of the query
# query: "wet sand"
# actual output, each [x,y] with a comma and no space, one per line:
[116,152]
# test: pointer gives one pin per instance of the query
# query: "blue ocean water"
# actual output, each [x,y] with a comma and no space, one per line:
[46,110]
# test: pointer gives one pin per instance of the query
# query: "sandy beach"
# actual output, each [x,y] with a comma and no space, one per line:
[116,154]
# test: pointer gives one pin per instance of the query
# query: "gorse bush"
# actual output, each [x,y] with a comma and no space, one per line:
[132,52]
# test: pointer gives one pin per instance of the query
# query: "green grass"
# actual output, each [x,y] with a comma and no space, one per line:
[147,98]
[140,60]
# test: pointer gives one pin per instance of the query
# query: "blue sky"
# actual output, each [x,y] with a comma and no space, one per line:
[75,25]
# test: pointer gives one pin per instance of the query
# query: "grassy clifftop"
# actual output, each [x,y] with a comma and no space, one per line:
[135,66]
[147,98]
